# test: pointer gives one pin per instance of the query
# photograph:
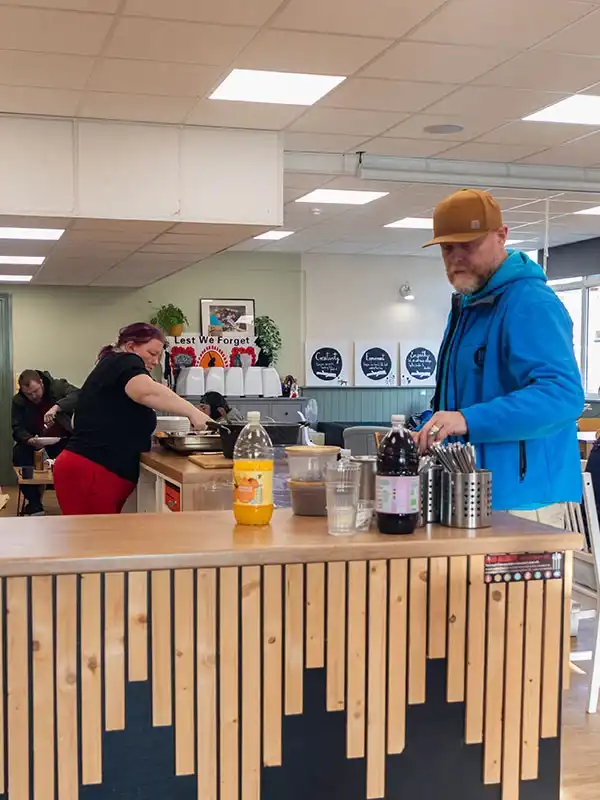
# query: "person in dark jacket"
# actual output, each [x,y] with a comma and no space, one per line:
[43,406]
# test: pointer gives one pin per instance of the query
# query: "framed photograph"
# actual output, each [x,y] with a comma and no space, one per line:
[219,317]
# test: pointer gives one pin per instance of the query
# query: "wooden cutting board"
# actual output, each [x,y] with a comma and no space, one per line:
[211,461]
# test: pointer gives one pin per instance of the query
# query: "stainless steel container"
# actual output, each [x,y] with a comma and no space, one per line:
[366,491]
[430,485]
[466,499]
[368,471]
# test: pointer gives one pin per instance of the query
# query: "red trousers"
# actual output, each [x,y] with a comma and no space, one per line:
[83,487]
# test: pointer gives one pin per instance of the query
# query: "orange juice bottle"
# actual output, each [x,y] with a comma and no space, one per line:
[253,474]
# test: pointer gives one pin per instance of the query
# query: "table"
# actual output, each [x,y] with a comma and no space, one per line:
[40,478]
[586,440]
[195,658]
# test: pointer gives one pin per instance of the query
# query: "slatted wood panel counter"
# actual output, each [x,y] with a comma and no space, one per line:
[177,656]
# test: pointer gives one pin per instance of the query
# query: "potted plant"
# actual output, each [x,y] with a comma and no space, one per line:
[268,339]
[170,319]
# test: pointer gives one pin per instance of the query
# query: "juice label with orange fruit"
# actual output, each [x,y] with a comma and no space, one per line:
[253,482]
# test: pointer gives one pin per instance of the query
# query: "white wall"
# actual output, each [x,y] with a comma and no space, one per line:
[357,297]
[61,329]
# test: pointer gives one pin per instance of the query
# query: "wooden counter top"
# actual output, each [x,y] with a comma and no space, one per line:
[55,545]
[174,466]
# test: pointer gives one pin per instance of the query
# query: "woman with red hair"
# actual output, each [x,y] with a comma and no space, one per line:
[114,422]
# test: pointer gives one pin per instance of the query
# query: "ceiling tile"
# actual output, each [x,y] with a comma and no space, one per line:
[413,127]
[120,225]
[153,77]
[104,234]
[52,31]
[9,247]
[539,70]
[259,116]
[29,100]
[183,42]
[383,95]
[583,152]
[298,180]
[135,107]
[579,39]
[519,24]
[103,6]
[321,142]
[477,151]
[46,70]
[341,120]
[227,12]
[289,51]
[387,18]
[440,63]
[544,134]
[406,148]
[494,102]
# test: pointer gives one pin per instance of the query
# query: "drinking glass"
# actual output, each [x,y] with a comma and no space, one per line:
[342,485]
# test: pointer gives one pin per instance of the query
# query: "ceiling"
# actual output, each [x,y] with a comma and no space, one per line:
[409,64]
[94,252]
[359,229]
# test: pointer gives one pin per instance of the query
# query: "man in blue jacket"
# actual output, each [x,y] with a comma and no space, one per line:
[507,377]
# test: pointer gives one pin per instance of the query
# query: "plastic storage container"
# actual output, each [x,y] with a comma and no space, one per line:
[309,463]
[308,499]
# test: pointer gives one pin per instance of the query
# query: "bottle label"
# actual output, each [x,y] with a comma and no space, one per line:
[397,495]
[253,482]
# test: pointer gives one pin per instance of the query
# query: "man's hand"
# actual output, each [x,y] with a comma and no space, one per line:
[50,415]
[442,425]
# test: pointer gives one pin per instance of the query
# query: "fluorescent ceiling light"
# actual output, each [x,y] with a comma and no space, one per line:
[564,281]
[274,236]
[594,211]
[423,223]
[346,197]
[34,261]
[285,88]
[510,242]
[579,109]
[46,234]
[15,278]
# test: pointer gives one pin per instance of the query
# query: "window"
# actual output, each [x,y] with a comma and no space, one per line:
[572,300]
[593,341]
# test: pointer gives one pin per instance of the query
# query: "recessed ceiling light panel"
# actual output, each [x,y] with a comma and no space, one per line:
[443,130]
[593,212]
[284,88]
[346,197]
[274,236]
[15,278]
[44,234]
[420,223]
[34,261]
[579,109]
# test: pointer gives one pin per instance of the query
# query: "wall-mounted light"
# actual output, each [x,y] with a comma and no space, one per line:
[406,292]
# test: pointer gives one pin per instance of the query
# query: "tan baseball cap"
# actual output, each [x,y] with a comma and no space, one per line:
[465,216]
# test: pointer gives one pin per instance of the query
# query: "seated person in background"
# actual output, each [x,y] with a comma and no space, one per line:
[43,406]
[218,409]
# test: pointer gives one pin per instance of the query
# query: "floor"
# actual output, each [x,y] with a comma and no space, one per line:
[581,731]
[10,510]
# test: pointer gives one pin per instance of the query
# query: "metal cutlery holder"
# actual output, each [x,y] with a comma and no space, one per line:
[430,486]
[466,499]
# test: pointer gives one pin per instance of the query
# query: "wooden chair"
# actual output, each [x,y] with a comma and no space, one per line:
[41,478]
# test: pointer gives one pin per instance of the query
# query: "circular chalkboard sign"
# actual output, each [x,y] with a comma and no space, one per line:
[421,363]
[326,363]
[376,364]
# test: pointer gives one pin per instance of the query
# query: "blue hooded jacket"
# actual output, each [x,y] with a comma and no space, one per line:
[507,363]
